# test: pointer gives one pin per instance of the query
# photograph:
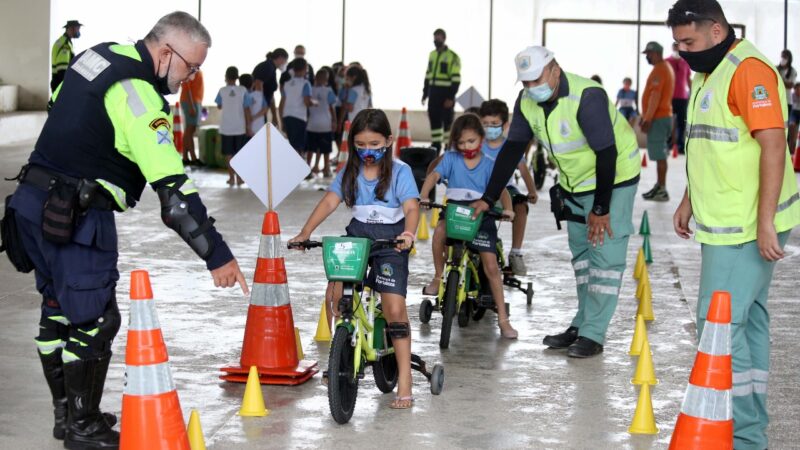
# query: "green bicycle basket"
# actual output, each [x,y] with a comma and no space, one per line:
[460,224]
[345,257]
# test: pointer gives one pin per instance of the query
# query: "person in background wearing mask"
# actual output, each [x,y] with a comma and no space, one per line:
[788,75]
[680,98]
[62,52]
[656,118]
[300,53]
[742,194]
[107,136]
[597,156]
[265,73]
[442,80]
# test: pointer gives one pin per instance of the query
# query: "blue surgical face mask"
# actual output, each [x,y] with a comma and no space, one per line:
[540,93]
[375,153]
[493,132]
[77,34]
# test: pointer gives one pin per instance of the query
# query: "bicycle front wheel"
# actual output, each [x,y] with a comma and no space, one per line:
[342,380]
[450,293]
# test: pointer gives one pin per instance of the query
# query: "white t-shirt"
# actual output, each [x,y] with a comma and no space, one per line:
[790,76]
[294,92]
[358,97]
[319,115]
[233,100]
[258,103]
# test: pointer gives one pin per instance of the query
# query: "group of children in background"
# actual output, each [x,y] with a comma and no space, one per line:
[311,116]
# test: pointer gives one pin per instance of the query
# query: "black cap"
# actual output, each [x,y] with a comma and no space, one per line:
[73,23]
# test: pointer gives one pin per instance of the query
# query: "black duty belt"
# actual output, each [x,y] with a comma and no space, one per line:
[44,179]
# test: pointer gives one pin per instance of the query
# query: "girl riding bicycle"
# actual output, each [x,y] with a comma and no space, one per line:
[383,197]
[467,172]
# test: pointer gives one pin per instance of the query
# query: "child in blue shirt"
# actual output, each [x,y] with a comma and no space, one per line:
[234,102]
[321,121]
[627,100]
[494,118]
[295,100]
[383,197]
[467,172]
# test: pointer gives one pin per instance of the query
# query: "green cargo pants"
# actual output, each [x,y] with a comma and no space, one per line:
[598,270]
[740,270]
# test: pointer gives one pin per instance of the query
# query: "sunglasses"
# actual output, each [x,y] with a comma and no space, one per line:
[193,68]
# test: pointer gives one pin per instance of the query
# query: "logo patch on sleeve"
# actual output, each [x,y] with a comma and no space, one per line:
[162,137]
[160,122]
[761,97]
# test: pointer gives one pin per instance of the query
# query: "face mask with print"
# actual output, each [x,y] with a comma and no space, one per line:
[493,132]
[471,152]
[375,153]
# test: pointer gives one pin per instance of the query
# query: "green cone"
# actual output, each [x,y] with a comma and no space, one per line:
[644,229]
[648,255]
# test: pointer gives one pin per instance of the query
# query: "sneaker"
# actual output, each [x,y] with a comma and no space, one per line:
[649,194]
[661,196]
[517,262]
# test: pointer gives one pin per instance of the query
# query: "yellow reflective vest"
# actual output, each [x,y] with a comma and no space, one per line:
[723,158]
[444,69]
[562,136]
[62,53]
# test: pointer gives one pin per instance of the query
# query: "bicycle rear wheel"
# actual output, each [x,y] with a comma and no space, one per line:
[342,381]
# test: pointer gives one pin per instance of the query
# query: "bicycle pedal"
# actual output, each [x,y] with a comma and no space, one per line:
[485,301]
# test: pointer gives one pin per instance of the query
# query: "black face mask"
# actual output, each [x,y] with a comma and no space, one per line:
[163,82]
[706,61]
[438,44]
[649,59]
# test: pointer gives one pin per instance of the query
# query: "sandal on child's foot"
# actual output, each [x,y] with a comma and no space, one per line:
[435,292]
[510,332]
[402,402]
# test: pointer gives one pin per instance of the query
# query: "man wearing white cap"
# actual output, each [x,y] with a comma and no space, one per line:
[597,156]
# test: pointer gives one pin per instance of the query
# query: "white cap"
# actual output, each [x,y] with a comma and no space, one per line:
[531,62]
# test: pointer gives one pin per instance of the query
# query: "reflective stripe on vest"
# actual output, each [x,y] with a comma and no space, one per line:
[270,246]
[707,403]
[135,102]
[153,379]
[723,158]
[265,294]
[716,339]
[143,315]
[561,134]
[116,192]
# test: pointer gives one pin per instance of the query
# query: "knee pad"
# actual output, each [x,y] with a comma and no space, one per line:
[93,340]
[398,330]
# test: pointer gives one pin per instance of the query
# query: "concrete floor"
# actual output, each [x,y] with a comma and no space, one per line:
[498,394]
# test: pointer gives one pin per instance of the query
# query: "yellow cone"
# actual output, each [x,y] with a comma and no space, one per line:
[195,432]
[300,354]
[434,218]
[639,336]
[253,401]
[413,251]
[645,374]
[646,304]
[323,327]
[640,264]
[422,228]
[643,420]
[644,280]
[444,199]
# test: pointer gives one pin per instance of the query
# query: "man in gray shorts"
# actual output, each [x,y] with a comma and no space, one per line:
[657,116]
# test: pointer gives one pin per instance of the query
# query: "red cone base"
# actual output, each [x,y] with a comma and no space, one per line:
[291,377]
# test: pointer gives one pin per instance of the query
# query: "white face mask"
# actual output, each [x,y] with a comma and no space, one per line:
[784,62]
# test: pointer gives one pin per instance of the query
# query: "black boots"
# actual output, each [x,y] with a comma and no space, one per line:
[584,348]
[87,428]
[562,340]
[54,374]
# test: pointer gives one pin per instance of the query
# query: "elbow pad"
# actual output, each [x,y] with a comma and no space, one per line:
[175,215]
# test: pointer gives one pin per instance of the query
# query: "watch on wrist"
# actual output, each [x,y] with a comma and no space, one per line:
[599,210]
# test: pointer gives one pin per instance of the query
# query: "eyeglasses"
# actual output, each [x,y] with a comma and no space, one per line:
[193,68]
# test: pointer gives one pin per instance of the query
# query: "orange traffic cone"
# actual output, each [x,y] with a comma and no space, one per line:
[797,156]
[644,160]
[269,337]
[706,419]
[177,129]
[344,149]
[151,412]
[403,134]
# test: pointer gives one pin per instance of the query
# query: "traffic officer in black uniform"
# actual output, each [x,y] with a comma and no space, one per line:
[442,80]
[108,135]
